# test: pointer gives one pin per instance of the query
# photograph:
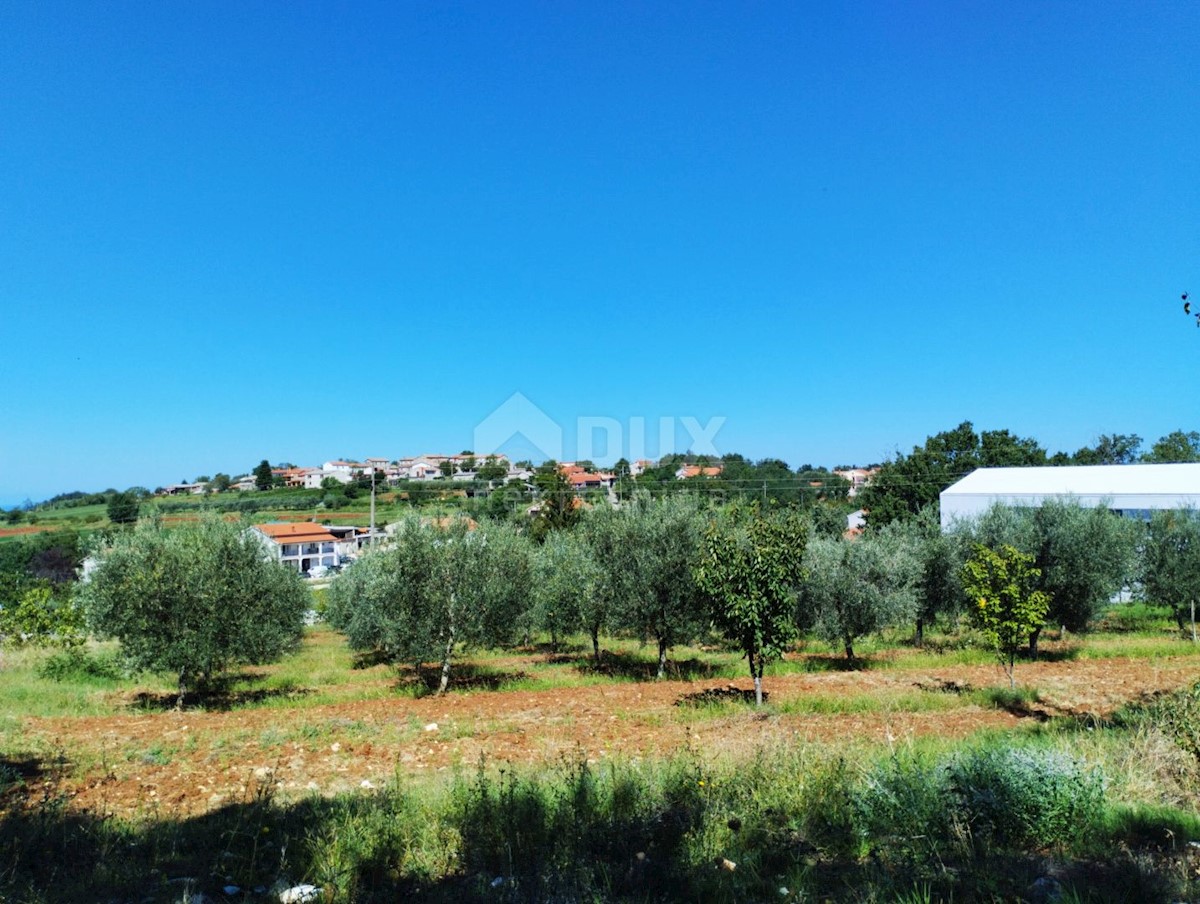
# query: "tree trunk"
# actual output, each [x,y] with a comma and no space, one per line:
[919,640]
[756,670]
[445,680]
[850,652]
[182,690]
[1033,643]
[662,658]
[553,640]
[595,632]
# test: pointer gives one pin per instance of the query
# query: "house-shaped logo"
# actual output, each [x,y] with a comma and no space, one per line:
[519,427]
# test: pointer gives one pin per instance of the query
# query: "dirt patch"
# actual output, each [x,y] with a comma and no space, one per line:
[27,529]
[192,761]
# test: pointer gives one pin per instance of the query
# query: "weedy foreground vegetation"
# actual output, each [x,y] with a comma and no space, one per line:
[1046,792]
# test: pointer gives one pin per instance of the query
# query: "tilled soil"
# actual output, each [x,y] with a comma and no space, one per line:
[188,762]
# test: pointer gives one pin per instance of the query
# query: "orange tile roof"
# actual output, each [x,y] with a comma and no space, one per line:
[697,471]
[297,532]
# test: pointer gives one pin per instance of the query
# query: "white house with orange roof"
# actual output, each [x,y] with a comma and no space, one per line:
[687,472]
[581,479]
[640,466]
[301,545]
[294,477]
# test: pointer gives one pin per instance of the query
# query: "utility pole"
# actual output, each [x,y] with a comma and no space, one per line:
[372,532]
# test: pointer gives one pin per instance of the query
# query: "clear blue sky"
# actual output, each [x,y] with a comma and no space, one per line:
[301,231]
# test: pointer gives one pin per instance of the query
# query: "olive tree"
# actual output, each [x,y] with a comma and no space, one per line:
[655,545]
[749,569]
[1171,563]
[1083,555]
[857,587]
[604,535]
[435,588]
[940,553]
[193,599]
[566,584]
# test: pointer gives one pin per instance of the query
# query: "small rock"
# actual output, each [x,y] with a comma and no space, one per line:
[1045,890]
[728,865]
[231,890]
[313,786]
[432,726]
[300,894]
[783,891]
[497,882]
[335,746]
[366,783]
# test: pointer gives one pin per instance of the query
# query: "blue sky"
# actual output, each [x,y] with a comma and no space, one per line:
[301,231]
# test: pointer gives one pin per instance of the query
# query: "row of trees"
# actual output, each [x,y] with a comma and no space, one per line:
[668,571]
[200,596]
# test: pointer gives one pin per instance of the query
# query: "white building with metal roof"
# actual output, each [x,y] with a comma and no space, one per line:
[1130,490]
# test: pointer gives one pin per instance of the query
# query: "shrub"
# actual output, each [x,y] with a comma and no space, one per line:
[1175,715]
[1025,796]
[80,666]
[902,807]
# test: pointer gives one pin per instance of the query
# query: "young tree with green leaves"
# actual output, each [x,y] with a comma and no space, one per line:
[1005,603]
[749,570]
[36,612]
[435,589]
[194,599]
[604,533]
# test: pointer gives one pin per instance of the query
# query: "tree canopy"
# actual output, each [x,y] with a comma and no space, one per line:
[908,483]
[1005,603]
[857,587]
[1170,574]
[435,588]
[193,599]
[1083,554]
[749,569]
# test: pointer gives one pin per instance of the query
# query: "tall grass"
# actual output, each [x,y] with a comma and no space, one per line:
[795,823]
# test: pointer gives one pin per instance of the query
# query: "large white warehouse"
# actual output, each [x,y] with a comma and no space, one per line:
[1130,490]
